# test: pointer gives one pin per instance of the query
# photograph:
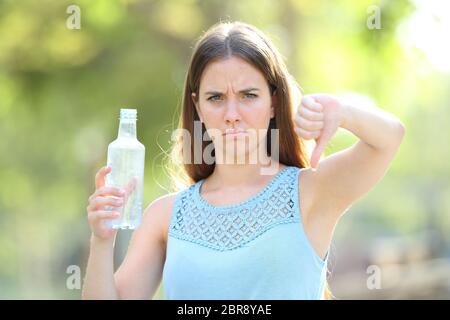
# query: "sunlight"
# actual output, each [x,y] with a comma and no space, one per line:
[427,30]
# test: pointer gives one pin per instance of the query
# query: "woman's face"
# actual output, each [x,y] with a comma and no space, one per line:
[233,94]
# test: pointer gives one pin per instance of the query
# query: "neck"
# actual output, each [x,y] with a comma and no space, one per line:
[241,175]
[127,129]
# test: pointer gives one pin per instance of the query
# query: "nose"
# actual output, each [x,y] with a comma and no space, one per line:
[232,114]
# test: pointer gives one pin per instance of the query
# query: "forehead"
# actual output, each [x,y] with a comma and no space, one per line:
[233,71]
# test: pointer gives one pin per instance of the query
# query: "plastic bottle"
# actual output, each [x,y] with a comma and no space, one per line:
[126,157]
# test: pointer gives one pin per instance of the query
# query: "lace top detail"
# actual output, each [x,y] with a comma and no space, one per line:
[232,226]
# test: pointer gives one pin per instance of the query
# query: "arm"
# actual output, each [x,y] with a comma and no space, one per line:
[140,274]
[99,281]
[347,175]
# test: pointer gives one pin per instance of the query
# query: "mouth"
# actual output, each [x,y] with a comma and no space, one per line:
[234,133]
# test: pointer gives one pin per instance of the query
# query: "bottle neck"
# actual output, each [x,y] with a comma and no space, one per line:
[127,129]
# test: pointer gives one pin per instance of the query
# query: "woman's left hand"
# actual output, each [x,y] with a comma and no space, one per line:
[318,117]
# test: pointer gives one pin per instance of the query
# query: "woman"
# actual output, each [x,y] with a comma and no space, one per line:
[244,229]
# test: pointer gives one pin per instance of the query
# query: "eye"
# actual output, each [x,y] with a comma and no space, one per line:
[250,95]
[214,98]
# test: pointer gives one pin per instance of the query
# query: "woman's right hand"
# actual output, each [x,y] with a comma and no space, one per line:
[104,196]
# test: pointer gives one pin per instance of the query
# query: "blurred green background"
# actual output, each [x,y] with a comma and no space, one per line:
[61,90]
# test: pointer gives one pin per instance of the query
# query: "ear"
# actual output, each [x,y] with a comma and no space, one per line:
[194,100]
[274,104]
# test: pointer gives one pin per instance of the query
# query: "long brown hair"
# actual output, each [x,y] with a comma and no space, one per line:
[223,40]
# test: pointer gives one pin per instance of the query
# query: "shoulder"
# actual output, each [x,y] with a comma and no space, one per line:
[158,214]
[162,203]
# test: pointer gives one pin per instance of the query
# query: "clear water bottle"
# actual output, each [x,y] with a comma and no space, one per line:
[126,156]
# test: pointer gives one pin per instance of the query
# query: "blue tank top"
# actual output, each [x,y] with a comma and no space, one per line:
[256,249]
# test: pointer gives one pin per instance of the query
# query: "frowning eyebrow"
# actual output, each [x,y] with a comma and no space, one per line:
[241,91]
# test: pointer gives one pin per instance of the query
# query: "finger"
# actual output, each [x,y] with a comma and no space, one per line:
[318,150]
[100,176]
[308,125]
[131,185]
[108,191]
[311,104]
[307,134]
[107,215]
[315,157]
[104,201]
[308,101]
[317,107]
[310,114]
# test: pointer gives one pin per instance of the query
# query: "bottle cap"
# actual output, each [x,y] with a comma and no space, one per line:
[128,114]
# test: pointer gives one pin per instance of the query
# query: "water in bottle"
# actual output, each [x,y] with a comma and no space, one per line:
[126,157]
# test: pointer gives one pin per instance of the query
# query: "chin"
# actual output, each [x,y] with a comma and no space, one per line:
[241,153]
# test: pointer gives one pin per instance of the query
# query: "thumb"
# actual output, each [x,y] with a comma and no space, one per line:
[100,176]
[321,142]
[132,185]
